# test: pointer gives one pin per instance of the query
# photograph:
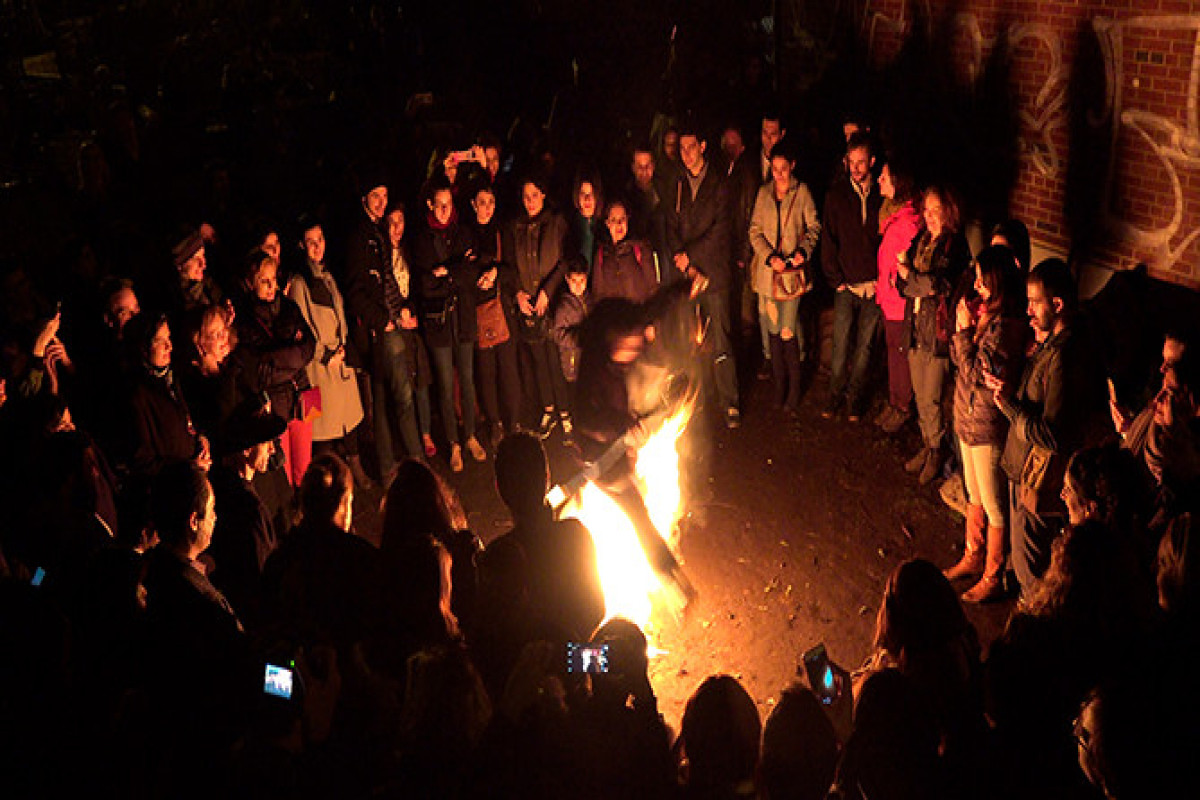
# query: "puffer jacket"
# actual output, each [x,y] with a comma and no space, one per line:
[1000,349]
[784,229]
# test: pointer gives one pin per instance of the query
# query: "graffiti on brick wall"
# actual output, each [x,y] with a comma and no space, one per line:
[1175,146]
[1044,116]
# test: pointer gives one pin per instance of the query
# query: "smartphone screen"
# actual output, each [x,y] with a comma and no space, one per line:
[277,681]
[587,658]
[39,575]
[820,674]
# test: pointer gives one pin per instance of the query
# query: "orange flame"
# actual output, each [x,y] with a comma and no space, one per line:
[631,587]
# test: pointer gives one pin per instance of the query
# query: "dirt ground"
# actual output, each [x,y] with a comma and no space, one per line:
[789,545]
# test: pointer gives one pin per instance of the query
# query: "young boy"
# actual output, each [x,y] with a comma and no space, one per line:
[569,312]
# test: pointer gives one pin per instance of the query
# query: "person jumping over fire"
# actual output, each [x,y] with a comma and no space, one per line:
[613,342]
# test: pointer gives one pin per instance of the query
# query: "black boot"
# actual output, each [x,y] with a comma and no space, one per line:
[791,355]
[779,370]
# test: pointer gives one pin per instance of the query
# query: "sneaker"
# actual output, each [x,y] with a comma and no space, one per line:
[430,447]
[954,494]
[476,449]
[733,418]
[456,462]
[547,424]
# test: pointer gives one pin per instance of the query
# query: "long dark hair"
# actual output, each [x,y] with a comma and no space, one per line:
[998,271]
[418,503]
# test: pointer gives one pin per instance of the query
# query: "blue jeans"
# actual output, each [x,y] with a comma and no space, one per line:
[393,396]
[714,308]
[460,355]
[847,309]
[1031,537]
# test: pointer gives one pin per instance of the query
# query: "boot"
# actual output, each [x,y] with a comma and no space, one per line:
[917,462]
[361,479]
[972,559]
[778,369]
[791,359]
[932,467]
[991,585]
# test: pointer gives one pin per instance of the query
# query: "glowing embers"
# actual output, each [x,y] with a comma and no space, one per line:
[631,587]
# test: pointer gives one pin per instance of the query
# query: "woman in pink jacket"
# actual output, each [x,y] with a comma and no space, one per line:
[899,223]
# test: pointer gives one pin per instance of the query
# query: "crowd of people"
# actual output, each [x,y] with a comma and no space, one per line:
[187,609]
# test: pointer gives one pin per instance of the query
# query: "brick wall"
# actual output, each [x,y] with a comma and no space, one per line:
[1142,122]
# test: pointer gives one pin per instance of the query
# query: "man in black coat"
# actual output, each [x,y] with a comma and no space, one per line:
[375,304]
[849,258]
[698,234]
[245,536]
[199,664]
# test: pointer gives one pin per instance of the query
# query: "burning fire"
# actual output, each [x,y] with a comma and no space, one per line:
[630,586]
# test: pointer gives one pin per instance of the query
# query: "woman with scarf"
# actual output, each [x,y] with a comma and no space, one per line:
[161,426]
[926,278]
[443,262]
[275,346]
[316,293]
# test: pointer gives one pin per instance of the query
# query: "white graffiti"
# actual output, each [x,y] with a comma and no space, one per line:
[1176,146]
[1046,115]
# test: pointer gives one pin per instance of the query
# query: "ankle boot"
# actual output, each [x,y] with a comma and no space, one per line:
[778,369]
[791,356]
[932,467]
[972,559]
[991,585]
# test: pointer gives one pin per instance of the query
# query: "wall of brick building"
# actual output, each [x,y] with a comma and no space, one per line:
[1141,122]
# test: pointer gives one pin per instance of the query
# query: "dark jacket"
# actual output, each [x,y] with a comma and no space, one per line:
[564,582]
[647,214]
[569,313]
[744,180]
[700,227]
[274,346]
[625,269]
[849,235]
[535,247]
[1056,405]
[931,280]
[243,539]
[487,250]
[321,586]
[1000,349]
[161,426]
[441,298]
[367,259]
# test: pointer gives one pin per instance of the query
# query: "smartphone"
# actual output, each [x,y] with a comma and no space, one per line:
[39,575]
[278,681]
[587,658]
[821,677]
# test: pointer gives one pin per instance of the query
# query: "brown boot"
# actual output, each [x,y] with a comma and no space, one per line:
[932,466]
[991,585]
[972,559]
[917,462]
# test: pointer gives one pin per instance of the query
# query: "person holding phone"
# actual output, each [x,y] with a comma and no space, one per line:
[989,338]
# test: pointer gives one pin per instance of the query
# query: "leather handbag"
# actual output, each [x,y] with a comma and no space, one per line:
[492,324]
[789,284]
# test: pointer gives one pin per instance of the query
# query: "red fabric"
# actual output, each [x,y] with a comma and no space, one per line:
[898,232]
[297,443]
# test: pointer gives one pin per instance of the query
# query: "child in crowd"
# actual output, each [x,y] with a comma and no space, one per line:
[570,310]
